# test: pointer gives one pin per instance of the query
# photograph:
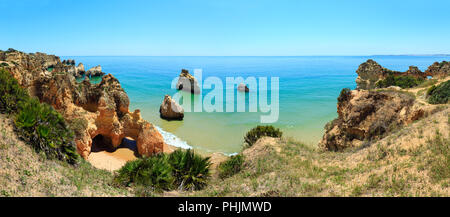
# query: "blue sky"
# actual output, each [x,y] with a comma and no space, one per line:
[226,27]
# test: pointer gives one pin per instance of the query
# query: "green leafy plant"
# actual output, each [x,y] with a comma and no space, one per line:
[37,123]
[11,94]
[191,171]
[403,81]
[182,169]
[260,131]
[231,166]
[152,171]
[45,129]
[439,94]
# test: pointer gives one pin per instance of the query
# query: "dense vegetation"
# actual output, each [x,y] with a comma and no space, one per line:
[406,81]
[149,171]
[11,94]
[191,171]
[260,131]
[232,166]
[182,169]
[439,94]
[36,123]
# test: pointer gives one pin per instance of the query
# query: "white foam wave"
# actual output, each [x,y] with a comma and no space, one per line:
[173,140]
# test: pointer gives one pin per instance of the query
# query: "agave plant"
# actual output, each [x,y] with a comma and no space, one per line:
[191,171]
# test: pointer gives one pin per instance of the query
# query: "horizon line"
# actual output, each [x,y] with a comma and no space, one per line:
[372,55]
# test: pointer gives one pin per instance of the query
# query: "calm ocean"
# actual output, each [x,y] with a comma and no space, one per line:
[308,86]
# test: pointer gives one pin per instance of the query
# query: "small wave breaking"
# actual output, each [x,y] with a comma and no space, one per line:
[173,140]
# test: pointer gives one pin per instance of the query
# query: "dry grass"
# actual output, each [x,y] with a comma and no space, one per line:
[413,161]
[23,172]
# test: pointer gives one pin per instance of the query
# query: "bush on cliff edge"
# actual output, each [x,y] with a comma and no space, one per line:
[36,123]
[260,131]
[439,94]
[232,166]
[403,81]
[11,94]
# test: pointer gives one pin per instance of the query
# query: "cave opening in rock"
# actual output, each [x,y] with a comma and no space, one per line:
[101,143]
[127,149]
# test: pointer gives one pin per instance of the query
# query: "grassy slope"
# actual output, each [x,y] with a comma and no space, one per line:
[406,163]
[23,172]
[414,161]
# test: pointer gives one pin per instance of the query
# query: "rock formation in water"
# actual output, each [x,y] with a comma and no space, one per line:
[95,71]
[370,72]
[92,110]
[171,110]
[365,115]
[187,82]
[243,88]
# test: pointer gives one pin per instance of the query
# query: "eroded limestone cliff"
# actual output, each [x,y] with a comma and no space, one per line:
[93,110]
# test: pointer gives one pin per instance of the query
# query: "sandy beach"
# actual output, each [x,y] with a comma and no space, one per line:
[113,161]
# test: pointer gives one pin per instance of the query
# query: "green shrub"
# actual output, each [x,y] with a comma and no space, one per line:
[11,94]
[148,171]
[439,94]
[182,169]
[45,129]
[403,81]
[191,171]
[260,131]
[78,125]
[36,123]
[232,166]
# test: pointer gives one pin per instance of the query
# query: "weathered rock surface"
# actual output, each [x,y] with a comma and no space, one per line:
[243,88]
[187,82]
[93,110]
[439,70]
[368,115]
[171,110]
[370,72]
[95,71]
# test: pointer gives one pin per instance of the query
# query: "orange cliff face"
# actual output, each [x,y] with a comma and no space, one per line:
[90,109]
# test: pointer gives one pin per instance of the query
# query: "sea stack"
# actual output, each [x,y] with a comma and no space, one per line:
[171,110]
[187,82]
[243,88]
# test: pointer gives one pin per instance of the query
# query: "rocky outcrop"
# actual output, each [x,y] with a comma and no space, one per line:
[243,88]
[98,111]
[171,110]
[187,82]
[68,62]
[439,70]
[368,115]
[95,71]
[370,72]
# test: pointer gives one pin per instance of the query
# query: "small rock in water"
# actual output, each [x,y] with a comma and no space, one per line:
[243,88]
[171,110]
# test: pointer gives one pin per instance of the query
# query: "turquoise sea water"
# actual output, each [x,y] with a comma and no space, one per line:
[308,89]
